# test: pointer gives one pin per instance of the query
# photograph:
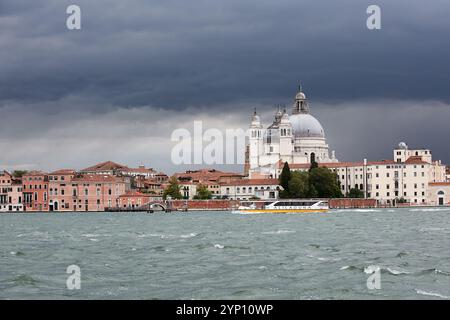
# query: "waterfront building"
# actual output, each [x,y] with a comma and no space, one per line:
[247,189]
[116,169]
[210,178]
[188,189]
[141,171]
[161,177]
[35,191]
[62,193]
[105,168]
[439,193]
[10,192]
[406,177]
[5,185]
[135,199]
[298,138]
[95,192]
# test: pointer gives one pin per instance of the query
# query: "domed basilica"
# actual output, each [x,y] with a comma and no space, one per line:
[298,138]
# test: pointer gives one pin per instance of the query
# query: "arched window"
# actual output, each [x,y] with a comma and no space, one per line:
[441,193]
[313,157]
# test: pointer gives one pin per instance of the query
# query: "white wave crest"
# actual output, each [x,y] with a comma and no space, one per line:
[373,268]
[432,294]
[279,232]
[429,209]
[363,210]
[190,235]
[396,272]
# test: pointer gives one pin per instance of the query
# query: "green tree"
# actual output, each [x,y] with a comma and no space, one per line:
[19,173]
[285,177]
[402,200]
[355,193]
[203,193]
[299,185]
[325,183]
[313,165]
[173,189]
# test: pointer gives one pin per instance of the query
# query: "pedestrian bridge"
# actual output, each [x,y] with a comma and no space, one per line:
[154,206]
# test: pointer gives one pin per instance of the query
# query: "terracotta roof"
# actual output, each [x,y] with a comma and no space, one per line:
[134,194]
[4,173]
[63,172]
[35,173]
[253,182]
[415,160]
[140,170]
[151,181]
[97,178]
[105,166]
[205,175]
[443,184]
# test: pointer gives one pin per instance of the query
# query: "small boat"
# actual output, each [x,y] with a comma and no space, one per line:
[285,206]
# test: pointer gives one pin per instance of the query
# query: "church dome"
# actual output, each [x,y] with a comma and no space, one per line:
[305,125]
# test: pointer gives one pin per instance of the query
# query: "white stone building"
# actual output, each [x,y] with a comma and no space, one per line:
[409,176]
[296,138]
[439,194]
[247,189]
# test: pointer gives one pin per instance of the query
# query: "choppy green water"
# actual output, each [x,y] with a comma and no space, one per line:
[219,255]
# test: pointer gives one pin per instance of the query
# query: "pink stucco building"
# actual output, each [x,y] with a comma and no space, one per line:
[94,192]
[10,192]
[35,191]
[62,193]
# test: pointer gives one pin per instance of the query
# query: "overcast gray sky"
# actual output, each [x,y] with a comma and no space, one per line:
[117,88]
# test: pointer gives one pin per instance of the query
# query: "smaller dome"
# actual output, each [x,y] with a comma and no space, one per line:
[300,96]
[403,145]
[255,118]
[285,118]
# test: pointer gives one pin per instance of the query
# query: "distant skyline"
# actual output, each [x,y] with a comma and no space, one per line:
[117,88]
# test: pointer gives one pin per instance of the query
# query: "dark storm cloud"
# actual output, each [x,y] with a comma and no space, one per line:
[187,53]
[138,69]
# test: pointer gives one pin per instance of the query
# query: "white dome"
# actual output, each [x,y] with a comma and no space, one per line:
[305,125]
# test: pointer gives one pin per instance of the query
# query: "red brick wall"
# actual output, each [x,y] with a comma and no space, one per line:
[202,204]
[352,203]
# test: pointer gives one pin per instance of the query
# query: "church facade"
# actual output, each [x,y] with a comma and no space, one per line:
[298,138]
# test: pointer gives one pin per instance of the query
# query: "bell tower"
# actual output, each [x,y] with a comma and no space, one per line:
[256,146]
[300,103]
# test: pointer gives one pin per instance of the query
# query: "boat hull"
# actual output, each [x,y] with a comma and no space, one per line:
[280,211]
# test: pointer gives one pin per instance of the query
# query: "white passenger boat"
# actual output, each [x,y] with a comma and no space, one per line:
[284,206]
